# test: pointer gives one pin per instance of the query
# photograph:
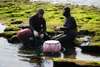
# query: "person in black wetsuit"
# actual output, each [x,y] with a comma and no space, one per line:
[38,23]
[38,26]
[69,28]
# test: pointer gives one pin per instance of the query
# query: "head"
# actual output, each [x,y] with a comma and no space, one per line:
[66,12]
[40,13]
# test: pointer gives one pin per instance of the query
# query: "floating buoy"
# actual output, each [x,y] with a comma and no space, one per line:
[24,33]
[51,46]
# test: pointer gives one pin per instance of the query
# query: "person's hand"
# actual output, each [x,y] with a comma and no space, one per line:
[36,34]
[42,35]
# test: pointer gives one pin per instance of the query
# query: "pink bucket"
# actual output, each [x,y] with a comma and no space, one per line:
[51,46]
[24,33]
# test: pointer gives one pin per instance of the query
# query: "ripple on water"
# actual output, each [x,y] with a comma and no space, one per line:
[9,55]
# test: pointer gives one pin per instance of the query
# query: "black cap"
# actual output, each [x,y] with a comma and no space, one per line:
[41,11]
[67,9]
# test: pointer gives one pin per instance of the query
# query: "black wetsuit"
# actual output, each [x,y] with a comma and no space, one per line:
[38,24]
[70,32]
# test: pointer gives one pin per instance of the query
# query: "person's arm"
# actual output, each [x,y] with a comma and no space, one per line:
[71,24]
[44,26]
[31,24]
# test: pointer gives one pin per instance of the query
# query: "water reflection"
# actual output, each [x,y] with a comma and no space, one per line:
[95,3]
[9,55]
[33,57]
[12,56]
[87,57]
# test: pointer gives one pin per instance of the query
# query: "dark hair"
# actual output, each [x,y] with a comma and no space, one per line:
[41,11]
[67,9]
[66,12]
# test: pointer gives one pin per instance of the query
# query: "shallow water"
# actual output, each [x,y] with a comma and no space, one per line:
[12,56]
[86,57]
[9,55]
[95,3]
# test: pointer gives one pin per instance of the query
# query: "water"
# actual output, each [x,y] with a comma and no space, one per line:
[12,56]
[86,57]
[95,3]
[82,56]
[9,55]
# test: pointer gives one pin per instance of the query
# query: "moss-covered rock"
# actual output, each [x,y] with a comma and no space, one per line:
[16,22]
[74,62]
[12,28]
[8,34]
[13,39]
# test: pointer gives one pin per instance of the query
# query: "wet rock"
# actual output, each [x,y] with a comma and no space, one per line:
[13,39]
[93,50]
[8,34]
[23,26]
[75,63]
[86,32]
[65,64]
[10,28]
[89,18]
[14,21]
[27,12]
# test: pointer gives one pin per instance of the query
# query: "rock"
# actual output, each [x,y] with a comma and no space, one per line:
[11,28]
[7,34]
[93,50]
[86,32]
[23,26]
[65,64]
[75,63]
[14,21]
[13,39]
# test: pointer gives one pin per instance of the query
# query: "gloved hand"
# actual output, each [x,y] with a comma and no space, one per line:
[41,35]
[36,34]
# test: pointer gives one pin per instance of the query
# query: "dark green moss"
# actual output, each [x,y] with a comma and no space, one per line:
[8,34]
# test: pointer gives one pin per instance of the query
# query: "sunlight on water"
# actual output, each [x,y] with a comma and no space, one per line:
[9,56]
[82,56]
[80,2]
